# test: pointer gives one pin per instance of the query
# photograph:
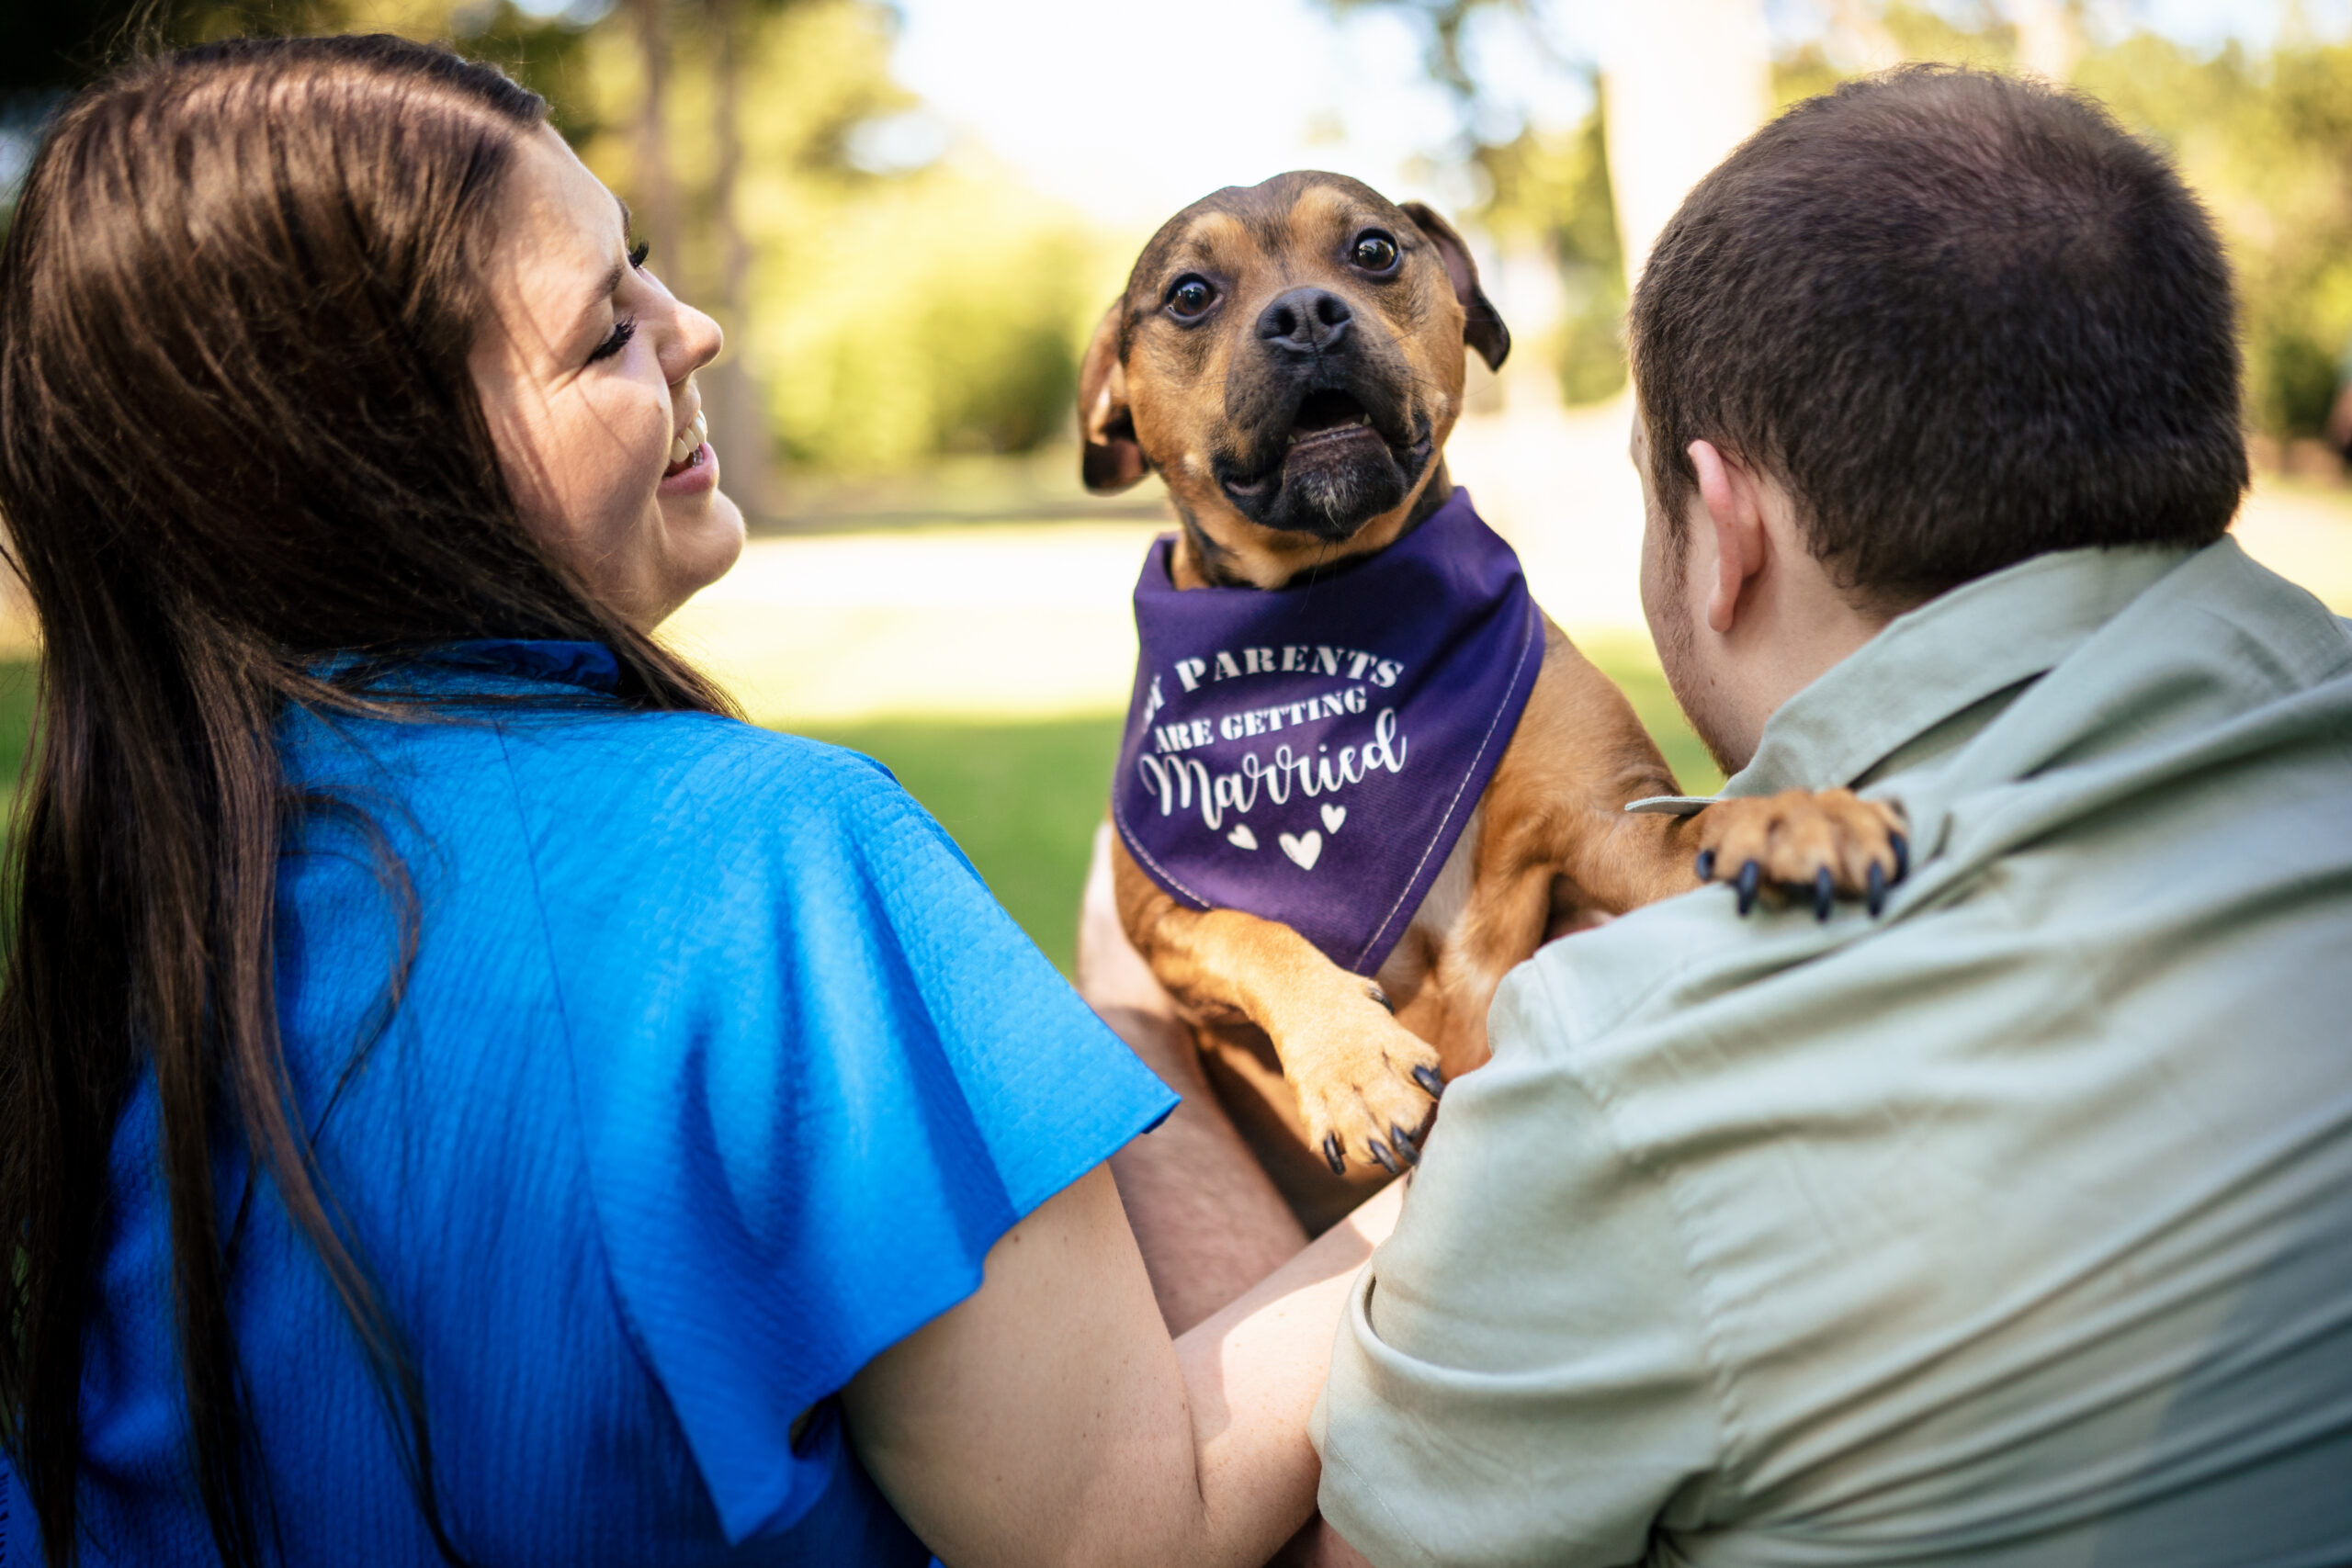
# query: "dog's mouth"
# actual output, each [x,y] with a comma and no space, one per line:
[1327,416]
[1334,469]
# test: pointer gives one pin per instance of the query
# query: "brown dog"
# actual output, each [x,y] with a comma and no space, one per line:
[1289,358]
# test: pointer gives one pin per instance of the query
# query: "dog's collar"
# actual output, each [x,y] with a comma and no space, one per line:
[1310,754]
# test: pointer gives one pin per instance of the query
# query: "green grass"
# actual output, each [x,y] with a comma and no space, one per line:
[1634,668]
[18,684]
[1023,799]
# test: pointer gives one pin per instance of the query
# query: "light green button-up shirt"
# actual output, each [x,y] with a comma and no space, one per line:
[2014,1227]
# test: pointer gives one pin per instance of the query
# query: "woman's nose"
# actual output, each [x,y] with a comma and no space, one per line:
[693,344]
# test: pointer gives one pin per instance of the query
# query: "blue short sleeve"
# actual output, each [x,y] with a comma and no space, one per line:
[818,1073]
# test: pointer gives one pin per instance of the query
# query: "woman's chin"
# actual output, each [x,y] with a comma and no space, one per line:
[726,522]
[702,538]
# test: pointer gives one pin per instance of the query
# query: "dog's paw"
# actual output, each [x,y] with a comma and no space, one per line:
[1366,1083]
[1814,847]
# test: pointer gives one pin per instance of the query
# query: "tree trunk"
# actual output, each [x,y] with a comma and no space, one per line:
[1858,39]
[2048,39]
[1683,83]
[738,412]
[656,208]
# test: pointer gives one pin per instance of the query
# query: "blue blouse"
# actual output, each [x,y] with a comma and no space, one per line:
[717,1071]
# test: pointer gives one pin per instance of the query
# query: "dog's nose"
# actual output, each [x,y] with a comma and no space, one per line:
[1305,322]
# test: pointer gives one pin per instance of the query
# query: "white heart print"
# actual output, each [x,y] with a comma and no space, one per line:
[1241,838]
[1333,815]
[1304,849]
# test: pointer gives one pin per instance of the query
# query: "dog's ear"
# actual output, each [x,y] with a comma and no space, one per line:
[1112,458]
[1481,325]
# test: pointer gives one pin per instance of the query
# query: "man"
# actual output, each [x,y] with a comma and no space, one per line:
[2014,1226]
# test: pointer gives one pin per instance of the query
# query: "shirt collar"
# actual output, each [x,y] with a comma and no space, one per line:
[1949,654]
[589,664]
[1930,663]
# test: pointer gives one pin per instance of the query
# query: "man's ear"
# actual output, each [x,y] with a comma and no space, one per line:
[1481,325]
[1112,460]
[1734,508]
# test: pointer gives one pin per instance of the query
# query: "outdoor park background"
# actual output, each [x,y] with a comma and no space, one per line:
[908,216]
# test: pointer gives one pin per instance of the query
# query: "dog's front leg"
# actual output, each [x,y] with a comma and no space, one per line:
[1364,1082]
[1500,927]
[1812,846]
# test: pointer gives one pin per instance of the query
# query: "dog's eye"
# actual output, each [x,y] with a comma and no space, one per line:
[1373,252]
[1191,296]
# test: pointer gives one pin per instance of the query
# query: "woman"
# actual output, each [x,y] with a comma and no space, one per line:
[466,1098]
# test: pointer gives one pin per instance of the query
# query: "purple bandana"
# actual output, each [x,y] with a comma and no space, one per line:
[1310,754]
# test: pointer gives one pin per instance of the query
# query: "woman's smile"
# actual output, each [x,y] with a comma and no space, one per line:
[694,467]
[688,443]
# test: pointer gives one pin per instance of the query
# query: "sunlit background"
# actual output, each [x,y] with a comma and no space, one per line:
[908,216]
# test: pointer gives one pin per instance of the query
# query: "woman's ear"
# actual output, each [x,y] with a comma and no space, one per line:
[1482,324]
[1112,458]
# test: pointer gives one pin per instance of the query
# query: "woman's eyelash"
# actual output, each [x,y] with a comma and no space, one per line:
[627,327]
[623,331]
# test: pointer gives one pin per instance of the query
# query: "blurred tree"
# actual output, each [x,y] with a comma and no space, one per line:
[1545,190]
[1687,81]
[2049,36]
[740,421]
[52,48]
[1552,191]
[1684,82]
[2267,141]
[739,395]
[2269,144]
[1444,26]
[655,207]
[890,301]
[48,48]
[732,396]
[951,320]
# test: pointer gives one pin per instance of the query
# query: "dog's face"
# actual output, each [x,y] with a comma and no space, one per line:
[1289,358]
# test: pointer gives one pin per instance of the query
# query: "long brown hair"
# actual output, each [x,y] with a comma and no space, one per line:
[238,436]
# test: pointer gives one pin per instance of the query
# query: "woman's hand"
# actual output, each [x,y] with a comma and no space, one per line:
[1049,1419]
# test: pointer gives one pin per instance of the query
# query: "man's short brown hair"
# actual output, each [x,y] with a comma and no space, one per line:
[1965,318]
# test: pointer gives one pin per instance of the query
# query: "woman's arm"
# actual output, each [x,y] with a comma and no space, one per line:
[1207,1219]
[1049,1419]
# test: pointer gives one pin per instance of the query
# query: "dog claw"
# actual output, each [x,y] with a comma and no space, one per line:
[1902,856]
[1824,896]
[1751,877]
[1706,867]
[1376,993]
[1431,1079]
[1331,1155]
[1403,1143]
[1878,890]
[1387,1161]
